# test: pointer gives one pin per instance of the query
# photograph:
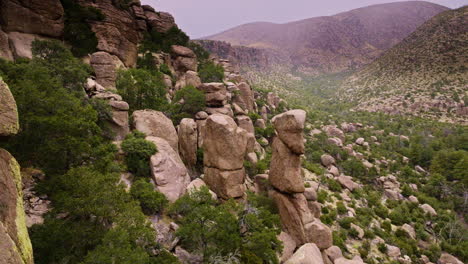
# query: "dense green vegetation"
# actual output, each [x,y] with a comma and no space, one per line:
[137,153]
[210,72]
[93,220]
[142,89]
[155,41]
[241,233]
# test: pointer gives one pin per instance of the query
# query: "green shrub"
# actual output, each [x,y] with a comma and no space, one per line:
[322,196]
[346,222]
[193,101]
[353,233]
[155,41]
[58,126]
[137,153]
[341,208]
[333,185]
[382,248]
[142,89]
[210,72]
[387,226]
[151,201]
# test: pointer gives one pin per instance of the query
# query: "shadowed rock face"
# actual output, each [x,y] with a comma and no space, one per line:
[43,17]
[330,44]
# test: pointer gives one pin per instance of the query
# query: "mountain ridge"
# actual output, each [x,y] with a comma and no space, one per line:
[331,44]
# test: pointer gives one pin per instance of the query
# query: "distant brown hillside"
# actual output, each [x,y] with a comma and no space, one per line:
[426,74]
[336,43]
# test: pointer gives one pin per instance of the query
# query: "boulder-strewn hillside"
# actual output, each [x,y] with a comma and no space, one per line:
[138,147]
[424,75]
[336,43]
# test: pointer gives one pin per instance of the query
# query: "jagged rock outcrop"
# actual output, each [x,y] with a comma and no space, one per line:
[5,51]
[106,67]
[155,124]
[184,59]
[43,17]
[245,98]
[119,33]
[225,145]
[9,124]
[285,168]
[167,170]
[159,21]
[215,94]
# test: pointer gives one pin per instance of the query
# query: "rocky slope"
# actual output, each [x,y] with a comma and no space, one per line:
[337,43]
[424,75]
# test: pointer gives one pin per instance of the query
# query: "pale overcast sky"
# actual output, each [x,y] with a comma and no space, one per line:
[199,18]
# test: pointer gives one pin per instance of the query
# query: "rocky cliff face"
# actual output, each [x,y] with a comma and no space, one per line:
[337,43]
[15,246]
[242,56]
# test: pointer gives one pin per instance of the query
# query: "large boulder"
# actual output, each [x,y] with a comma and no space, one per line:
[327,160]
[8,112]
[188,143]
[294,213]
[307,254]
[167,170]
[119,124]
[333,253]
[184,59]
[225,183]
[289,245]
[285,168]
[289,126]
[319,233]
[15,245]
[224,143]
[44,17]
[246,123]
[106,66]
[215,94]
[245,98]
[224,170]
[156,124]
[347,182]
[446,258]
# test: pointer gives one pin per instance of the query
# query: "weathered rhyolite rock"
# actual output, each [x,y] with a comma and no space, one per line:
[225,145]
[15,245]
[294,213]
[106,66]
[307,254]
[8,113]
[167,170]
[188,143]
[289,126]
[289,245]
[156,124]
[215,94]
[245,98]
[285,167]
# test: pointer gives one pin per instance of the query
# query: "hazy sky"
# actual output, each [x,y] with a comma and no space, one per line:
[199,18]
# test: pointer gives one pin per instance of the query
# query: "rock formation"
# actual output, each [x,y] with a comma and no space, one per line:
[155,124]
[188,137]
[8,113]
[167,170]
[225,145]
[15,245]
